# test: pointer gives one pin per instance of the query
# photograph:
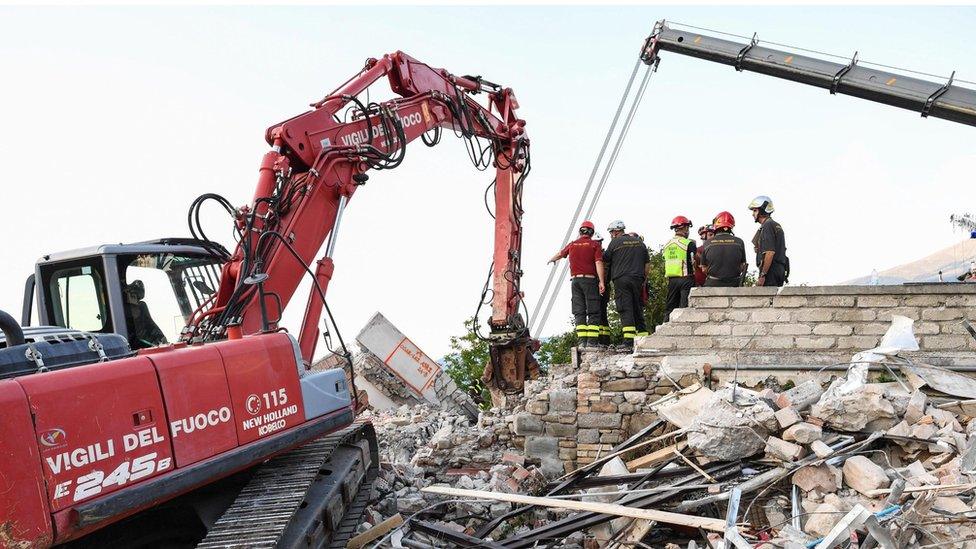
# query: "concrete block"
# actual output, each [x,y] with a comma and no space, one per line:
[655,341]
[858,343]
[877,301]
[708,302]
[821,449]
[823,478]
[675,329]
[925,301]
[562,400]
[537,407]
[943,342]
[933,328]
[773,342]
[814,343]
[788,301]
[588,436]
[635,397]
[527,424]
[910,312]
[713,330]
[603,407]
[968,301]
[787,416]
[871,328]
[749,330]
[626,384]
[832,301]
[689,315]
[855,315]
[803,433]
[813,315]
[560,430]
[751,302]
[833,329]
[916,407]
[802,396]
[782,450]
[541,447]
[792,329]
[941,314]
[693,342]
[729,315]
[770,315]
[599,421]
[863,475]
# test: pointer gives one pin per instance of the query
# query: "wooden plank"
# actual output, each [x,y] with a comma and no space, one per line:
[608,457]
[380,529]
[714,525]
[656,457]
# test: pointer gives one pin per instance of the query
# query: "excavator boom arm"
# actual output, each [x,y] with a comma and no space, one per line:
[937,99]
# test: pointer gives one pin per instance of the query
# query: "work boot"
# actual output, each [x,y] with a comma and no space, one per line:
[627,345]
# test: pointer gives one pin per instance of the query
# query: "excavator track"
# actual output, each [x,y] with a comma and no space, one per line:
[312,496]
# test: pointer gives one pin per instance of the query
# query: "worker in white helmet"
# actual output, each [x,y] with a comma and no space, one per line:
[630,264]
[770,244]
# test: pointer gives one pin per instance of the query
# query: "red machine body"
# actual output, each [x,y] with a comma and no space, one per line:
[86,446]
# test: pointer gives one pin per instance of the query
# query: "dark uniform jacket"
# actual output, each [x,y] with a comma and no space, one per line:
[627,256]
[770,238]
[724,256]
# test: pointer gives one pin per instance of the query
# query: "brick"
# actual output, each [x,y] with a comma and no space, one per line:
[537,407]
[863,475]
[813,315]
[773,342]
[823,478]
[833,329]
[877,301]
[688,315]
[821,449]
[593,447]
[527,424]
[731,315]
[787,417]
[599,421]
[560,430]
[560,417]
[770,315]
[941,314]
[943,342]
[961,301]
[674,329]
[713,330]
[858,343]
[628,384]
[567,454]
[541,447]
[562,400]
[694,342]
[832,301]
[512,458]
[925,301]
[792,329]
[708,302]
[803,433]
[932,328]
[603,407]
[658,342]
[610,438]
[855,315]
[871,328]
[751,302]
[748,330]
[910,312]
[567,444]
[789,301]
[814,343]
[784,451]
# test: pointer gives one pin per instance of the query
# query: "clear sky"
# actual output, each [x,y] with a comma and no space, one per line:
[115,119]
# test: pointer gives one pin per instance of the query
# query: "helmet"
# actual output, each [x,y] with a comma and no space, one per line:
[705,229]
[680,221]
[617,225]
[762,203]
[598,237]
[724,220]
[587,225]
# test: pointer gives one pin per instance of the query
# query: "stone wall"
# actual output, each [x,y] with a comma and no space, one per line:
[816,325]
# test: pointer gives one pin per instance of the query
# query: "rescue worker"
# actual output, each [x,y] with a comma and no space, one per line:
[631,267]
[724,259]
[679,265]
[604,339]
[587,282]
[705,233]
[770,245]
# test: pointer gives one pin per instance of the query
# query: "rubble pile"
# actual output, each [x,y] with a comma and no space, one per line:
[848,461]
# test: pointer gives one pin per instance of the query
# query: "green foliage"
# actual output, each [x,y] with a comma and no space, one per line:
[556,349]
[466,363]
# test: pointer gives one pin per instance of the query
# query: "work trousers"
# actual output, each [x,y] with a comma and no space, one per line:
[776,275]
[627,297]
[712,282]
[604,318]
[678,289]
[586,308]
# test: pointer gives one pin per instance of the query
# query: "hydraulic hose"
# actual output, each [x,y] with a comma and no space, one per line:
[11,330]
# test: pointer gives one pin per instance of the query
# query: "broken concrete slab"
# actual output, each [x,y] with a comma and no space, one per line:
[729,432]
[863,475]
[782,450]
[824,478]
[787,417]
[803,433]
[854,410]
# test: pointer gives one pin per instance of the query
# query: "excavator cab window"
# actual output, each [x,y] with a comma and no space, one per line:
[78,298]
[159,293]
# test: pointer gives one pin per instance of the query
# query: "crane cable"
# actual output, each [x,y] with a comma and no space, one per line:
[540,323]
[534,325]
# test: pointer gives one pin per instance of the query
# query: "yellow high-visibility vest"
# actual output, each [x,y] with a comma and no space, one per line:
[676,257]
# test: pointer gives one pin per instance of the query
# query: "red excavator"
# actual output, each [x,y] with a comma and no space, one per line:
[161,404]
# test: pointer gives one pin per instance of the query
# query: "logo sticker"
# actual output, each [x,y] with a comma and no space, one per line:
[53,438]
[253,404]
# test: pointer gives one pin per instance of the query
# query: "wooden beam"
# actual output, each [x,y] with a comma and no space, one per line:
[656,457]
[714,525]
[380,529]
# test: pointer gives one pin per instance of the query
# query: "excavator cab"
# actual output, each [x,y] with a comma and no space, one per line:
[144,292]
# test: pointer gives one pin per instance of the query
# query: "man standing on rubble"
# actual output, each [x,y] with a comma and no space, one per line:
[604,339]
[679,265]
[587,282]
[724,259]
[631,266]
[770,245]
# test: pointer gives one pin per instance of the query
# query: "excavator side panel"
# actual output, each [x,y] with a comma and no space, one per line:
[263,378]
[27,522]
[201,420]
[105,425]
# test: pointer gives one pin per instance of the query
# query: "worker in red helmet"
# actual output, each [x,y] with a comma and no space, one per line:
[587,283]
[770,244]
[724,259]
[679,265]
[705,233]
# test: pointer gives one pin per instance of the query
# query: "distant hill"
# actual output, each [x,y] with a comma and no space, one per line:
[952,261]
